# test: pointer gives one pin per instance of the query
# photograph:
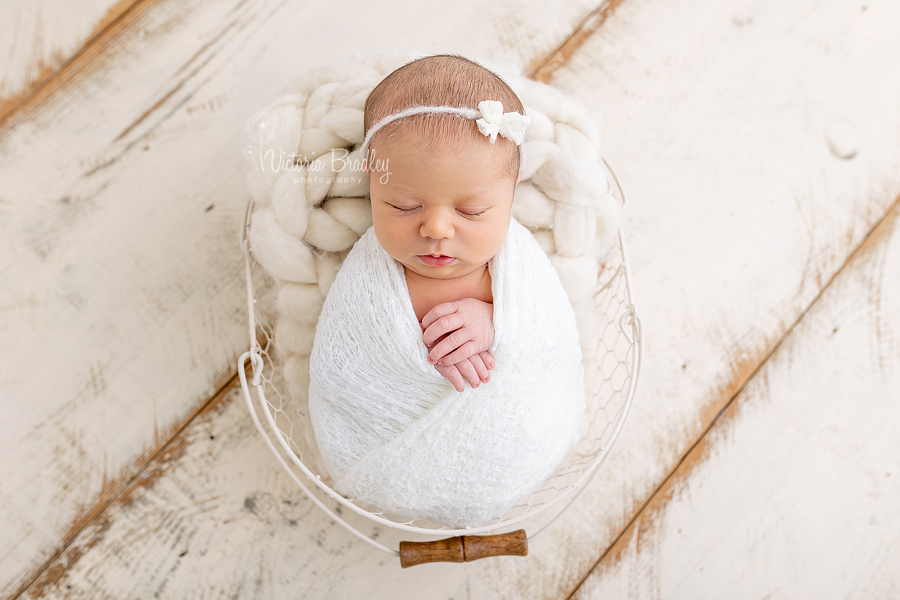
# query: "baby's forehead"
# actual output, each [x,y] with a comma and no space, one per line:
[433,130]
[455,137]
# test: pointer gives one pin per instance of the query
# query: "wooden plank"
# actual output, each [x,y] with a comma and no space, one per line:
[740,216]
[795,491]
[121,280]
[716,117]
[222,520]
[39,37]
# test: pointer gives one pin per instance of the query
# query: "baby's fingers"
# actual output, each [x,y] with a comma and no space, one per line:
[441,310]
[467,350]
[468,371]
[481,368]
[450,343]
[452,374]
[440,327]
[488,359]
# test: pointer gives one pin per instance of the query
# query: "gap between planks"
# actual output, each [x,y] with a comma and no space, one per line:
[114,15]
[688,458]
[116,491]
[541,70]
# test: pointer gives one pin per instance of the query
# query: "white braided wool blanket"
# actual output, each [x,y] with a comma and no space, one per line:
[311,209]
[397,434]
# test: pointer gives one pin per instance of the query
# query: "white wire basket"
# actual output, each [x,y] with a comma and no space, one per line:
[610,387]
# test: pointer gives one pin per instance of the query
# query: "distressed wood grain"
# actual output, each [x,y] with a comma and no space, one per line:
[795,491]
[740,216]
[40,36]
[224,521]
[121,280]
[744,211]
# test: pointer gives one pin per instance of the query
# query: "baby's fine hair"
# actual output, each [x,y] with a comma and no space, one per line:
[442,80]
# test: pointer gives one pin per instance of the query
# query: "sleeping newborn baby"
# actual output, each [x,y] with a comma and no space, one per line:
[445,289]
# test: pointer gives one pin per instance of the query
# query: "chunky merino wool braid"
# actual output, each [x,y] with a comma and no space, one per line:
[304,171]
[395,433]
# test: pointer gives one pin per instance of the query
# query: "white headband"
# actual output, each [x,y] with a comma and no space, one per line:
[491,121]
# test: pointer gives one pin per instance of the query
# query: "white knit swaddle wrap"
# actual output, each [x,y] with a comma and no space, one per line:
[394,432]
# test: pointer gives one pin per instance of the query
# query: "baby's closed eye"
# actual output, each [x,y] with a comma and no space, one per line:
[466,213]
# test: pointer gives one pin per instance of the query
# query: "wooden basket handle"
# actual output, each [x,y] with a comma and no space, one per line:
[463,548]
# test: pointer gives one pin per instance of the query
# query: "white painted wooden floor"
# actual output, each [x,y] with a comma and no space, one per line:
[761,458]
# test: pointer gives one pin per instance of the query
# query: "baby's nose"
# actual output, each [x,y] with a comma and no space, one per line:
[437,228]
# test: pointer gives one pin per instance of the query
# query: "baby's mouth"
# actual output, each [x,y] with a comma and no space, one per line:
[436,260]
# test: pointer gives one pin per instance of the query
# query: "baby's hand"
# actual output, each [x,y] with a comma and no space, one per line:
[473,369]
[461,333]
[468,325]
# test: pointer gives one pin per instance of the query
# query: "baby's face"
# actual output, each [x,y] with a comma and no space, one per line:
[448,201]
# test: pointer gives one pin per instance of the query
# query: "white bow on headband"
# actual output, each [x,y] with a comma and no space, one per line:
[493,120]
